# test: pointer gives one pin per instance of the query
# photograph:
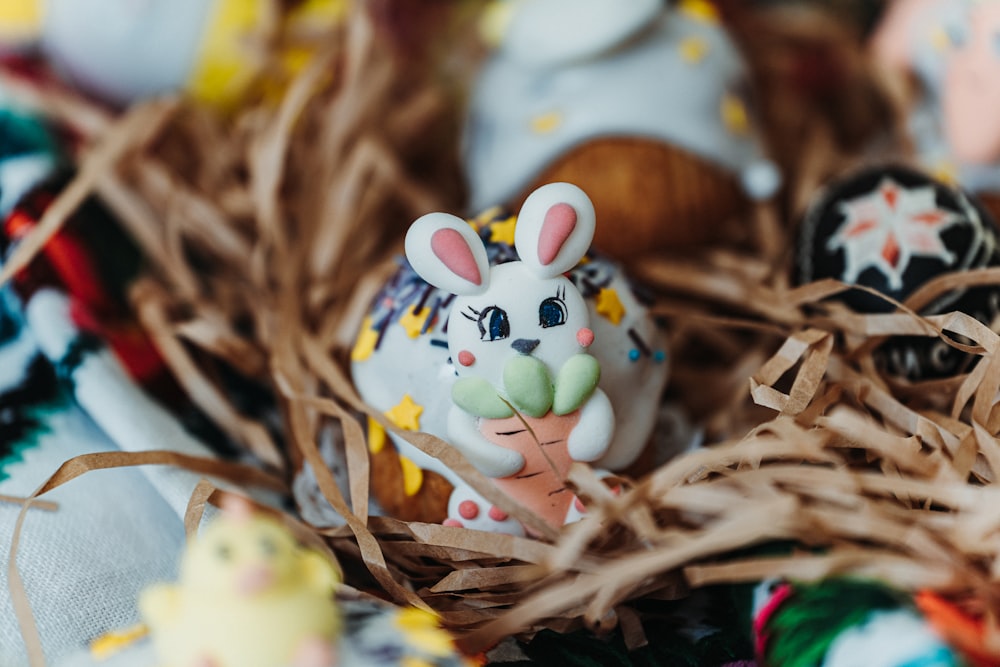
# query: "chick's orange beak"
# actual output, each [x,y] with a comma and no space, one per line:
[255,579]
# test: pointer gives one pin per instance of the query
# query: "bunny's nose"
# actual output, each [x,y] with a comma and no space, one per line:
[525,346]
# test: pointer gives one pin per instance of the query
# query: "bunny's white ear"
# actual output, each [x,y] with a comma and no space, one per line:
[554,229]
[448,254]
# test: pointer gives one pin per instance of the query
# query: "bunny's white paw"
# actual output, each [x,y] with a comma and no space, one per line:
[468,509]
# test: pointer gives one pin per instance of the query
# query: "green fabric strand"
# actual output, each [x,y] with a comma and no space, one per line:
[802,629]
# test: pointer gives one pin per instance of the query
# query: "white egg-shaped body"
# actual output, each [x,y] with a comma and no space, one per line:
[402,360]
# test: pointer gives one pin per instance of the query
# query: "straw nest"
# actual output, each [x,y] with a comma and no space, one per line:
[267,236]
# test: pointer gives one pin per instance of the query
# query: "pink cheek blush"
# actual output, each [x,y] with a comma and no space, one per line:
[585,337]
[466,358]
[497,514]
[468,510]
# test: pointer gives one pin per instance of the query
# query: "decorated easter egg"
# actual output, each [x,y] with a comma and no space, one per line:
[403,366]
[893,229]
[644,107]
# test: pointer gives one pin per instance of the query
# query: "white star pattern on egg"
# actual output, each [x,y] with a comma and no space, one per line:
[889,226]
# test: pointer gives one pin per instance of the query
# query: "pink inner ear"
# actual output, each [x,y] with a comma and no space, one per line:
[560,220]
[450,247]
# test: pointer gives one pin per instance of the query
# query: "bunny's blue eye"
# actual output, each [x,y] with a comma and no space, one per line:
[493,323]
[551,312]
[956,35]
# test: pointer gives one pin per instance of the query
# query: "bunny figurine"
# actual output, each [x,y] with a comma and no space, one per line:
[526,403]
[940,58]
[643,104]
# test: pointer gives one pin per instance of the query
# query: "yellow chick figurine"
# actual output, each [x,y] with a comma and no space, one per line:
[249,596]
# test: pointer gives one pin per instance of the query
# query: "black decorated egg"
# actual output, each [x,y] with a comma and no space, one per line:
[893,229]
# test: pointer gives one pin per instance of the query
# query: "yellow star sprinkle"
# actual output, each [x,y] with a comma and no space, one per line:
[610,306]
[107,645]
[406,414]
[376,436]
[422,631]
[413,476]
[495,21]
[700,10]
[364,346]
[945,171]
[734,114]
[503,231]
[413,320]
[485,218]
[314,12]
[547,122]
[939,39]
[693,50]
[410,661]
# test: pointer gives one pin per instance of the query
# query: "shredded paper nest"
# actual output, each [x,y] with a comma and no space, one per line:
[266,241]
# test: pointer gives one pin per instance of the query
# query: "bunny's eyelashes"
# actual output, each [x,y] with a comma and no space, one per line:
[552,311]
[494,322]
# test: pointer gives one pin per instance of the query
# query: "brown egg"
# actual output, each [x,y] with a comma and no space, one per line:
[429,504]
[649,196]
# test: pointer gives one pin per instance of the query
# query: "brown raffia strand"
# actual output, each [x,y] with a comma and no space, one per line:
[19,596]
[205,492]
[57,102]
[199,499]
[38,504]
[268,236]
[151,302]
[237,473]
[132,130]
[370,549]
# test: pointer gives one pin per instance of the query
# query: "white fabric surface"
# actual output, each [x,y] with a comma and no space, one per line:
[83,564]
[115,531]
